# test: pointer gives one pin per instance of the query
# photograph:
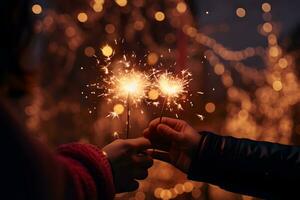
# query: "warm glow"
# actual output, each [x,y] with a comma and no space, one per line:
[219,69]
[152,58]
[107,50]
[188,186]
[82,17]
[110,28]
[153,94]
[170,86]
[89,51]
[272,39]
[157,192]
[131,84]
[241,12]
[37,9]
[121,3]
[179,188]
[283,63]
[118,109]
[267,27]
[181,7]
[277,85]
[97,7]
[138,25]
[210,107]
[159,16]
[274,51]
[266,7]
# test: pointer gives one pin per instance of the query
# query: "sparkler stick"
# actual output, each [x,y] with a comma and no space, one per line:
[128,116]
[163,109]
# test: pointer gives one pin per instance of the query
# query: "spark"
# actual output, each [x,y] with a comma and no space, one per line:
[112,115]
[201,117]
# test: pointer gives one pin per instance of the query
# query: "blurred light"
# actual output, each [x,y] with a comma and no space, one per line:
[159,16]
[70,31]
[107,50]
[165,194]
[140,195]
[152,58]
[173,193]
[97,7]
[283,63]
[99,1]
[267,27]
[241,12]
[277,85]
[153,94]
[188,186]
[89,51]
[119,109]
[82,17]
[274,51]
[121,3]
[179,188]
[157,192]
[266,7]
[272,39]
[110,28]
[37,9]
[210,107]
[243,114]
[219,69]
[196,193]
[181,7]
[138,25]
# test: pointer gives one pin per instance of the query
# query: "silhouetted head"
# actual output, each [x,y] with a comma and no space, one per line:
[16,30]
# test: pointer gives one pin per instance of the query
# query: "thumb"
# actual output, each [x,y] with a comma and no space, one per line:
[169,132]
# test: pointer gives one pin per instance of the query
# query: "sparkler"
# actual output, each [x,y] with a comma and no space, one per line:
[128,86]
[172,88]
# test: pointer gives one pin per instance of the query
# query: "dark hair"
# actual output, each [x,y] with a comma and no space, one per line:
[16,29]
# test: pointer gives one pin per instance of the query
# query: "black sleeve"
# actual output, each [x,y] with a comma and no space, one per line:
[261,169]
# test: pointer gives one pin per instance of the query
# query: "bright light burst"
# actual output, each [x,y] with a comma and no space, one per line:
[128,83]
[173,87]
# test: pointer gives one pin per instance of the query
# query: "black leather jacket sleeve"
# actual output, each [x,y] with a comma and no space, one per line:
[262,169]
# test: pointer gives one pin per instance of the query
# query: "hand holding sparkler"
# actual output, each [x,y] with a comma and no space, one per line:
[175,139]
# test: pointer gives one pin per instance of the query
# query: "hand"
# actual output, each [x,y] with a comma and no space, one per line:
[177,140]
[129,162]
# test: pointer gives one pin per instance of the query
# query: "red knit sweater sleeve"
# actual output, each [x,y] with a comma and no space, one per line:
[87,172]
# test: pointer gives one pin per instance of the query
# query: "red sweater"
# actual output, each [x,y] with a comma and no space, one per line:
[29,170]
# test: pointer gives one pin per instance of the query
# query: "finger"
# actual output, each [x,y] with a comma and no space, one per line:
[146,133]
[144,161]
[140,174]
[169,132]
[139,144]
[165,120]
[160,155]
